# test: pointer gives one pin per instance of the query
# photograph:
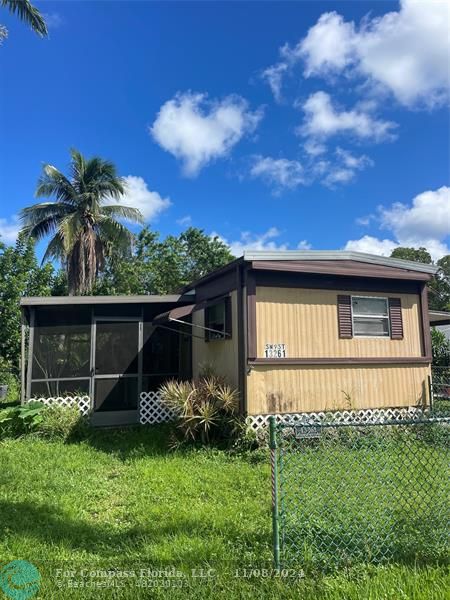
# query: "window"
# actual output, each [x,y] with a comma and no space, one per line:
[370,316]
[218,320]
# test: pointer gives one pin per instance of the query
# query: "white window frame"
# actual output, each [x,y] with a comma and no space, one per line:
[368,316]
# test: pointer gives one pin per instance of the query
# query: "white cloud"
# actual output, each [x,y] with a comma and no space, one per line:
[404,52]
[185,221]
[346,167]
[137,195]
[426,222]
[323,120]
[53,20]
[197,131]
[263,241]
[372,245]
[9,229]
[279,172]
[327,46]
[314,148]
[274,77]
[253,241]
[428,217]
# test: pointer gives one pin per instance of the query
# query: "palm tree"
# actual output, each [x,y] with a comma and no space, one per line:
[82,219]
[27,13]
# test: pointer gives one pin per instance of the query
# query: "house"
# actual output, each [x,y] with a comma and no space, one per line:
[294,331]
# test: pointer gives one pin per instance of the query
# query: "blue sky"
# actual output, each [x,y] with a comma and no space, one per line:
[274,125]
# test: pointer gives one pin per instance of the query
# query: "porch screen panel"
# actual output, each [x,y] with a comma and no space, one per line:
[62,344]
[120,393]
[116,347]
[59,387]
[161,355]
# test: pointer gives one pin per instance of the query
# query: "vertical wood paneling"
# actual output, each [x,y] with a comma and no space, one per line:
[306,321]
[295,389]
[221,354]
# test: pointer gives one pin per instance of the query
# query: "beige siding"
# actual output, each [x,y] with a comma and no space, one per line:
[306,321]
[304,388]
[222,355]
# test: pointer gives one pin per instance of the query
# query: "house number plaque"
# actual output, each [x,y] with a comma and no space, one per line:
[275,351]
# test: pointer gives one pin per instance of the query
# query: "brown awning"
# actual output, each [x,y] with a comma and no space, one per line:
[175,314]
[178,314]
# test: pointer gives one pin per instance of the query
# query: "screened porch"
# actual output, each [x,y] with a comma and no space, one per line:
[107,348]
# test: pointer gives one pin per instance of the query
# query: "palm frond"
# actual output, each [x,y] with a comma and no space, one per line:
[55,249]
[32,215]
[54,183]
[70,230]
[119,211]
[28,14]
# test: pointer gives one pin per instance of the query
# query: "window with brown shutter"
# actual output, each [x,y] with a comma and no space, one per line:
[395,317]
[345,316]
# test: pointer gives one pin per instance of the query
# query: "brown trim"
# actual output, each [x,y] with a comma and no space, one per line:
[426,332]
[388,360]
[213,275]
[335,283]
[242,379]
[251,316]
[342,267]
[220,286]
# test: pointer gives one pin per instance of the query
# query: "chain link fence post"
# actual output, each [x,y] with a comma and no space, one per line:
[274,470]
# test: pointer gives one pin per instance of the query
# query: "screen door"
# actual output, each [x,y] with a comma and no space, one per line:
[116,364]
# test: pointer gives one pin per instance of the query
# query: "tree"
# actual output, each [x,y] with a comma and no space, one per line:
[27,13]
[81,220]
[20,275]
[439,286]
[415,254]
[163,266]
[440,297]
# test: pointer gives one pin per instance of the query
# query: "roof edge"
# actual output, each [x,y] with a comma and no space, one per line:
[254,255]
[87,300]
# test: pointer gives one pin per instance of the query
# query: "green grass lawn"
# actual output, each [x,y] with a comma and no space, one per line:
[122,501]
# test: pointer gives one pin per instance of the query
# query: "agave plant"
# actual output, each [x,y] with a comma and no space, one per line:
[206,407]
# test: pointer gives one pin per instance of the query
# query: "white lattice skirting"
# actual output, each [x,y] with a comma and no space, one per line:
[153,410]
[370,415]
[83,403]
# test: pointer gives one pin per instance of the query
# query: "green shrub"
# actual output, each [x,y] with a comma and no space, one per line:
[50,422]
[18,420]
[61,423]
[7,377]
[206,408]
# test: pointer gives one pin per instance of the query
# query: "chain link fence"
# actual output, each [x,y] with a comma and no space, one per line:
[348,493]
[440,388]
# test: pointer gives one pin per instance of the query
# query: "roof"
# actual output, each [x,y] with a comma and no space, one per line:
[311,255]
[439,317]
[76,300]
[257,258]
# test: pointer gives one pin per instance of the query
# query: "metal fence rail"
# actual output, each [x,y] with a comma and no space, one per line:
[348,493]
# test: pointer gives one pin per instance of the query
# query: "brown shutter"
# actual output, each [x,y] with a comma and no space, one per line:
[345,317]
[395,317]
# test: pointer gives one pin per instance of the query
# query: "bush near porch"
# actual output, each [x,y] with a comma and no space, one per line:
[119,499]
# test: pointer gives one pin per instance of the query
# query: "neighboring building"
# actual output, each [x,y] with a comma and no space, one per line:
[294,331]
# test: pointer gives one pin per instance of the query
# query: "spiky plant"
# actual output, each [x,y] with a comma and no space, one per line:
[206,407]
[82,221]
